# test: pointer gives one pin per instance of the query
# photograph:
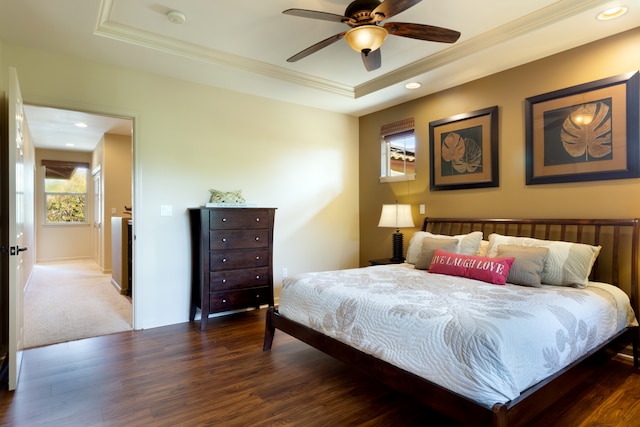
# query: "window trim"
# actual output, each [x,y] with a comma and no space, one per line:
[64,169]
[389,132]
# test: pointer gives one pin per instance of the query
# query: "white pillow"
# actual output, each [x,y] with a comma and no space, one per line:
[468,243]
[567,264]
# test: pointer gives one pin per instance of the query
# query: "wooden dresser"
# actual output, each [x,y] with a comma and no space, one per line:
[231,259]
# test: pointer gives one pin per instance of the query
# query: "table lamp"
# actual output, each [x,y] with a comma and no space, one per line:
[396,216]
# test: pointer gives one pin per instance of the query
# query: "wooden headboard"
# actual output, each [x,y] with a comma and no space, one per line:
[617,262]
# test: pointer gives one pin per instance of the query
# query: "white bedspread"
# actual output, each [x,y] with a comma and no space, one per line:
[483,341]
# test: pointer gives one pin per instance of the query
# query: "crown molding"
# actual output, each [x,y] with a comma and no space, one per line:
[553,13]
[537,20]
[105,27]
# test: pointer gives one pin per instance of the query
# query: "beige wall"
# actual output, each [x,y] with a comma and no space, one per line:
[597,199]
[116,166]
[189,138]
[59,242]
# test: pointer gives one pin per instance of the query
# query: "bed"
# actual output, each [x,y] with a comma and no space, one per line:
[450,329]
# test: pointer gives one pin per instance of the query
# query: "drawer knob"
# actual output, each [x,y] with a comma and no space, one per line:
[257,257]
[224,301]
[224,280]
[224,219]
[224,260]
[224,239]
[257,238]
[257,219]
[257,277]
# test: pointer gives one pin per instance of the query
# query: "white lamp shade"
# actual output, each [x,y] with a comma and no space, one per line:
[366,37]
[396,216]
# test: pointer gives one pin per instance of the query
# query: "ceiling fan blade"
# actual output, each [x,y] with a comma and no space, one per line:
[422,32]
[316,47]
[389,8]
[313,14]
[372,60]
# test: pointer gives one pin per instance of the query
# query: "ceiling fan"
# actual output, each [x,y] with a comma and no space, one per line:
[366,34]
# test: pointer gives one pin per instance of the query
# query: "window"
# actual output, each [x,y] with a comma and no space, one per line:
[65,192]
[398,151]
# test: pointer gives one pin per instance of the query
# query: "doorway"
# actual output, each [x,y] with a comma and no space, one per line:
[82,249]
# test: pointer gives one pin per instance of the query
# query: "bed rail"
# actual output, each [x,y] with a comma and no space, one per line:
[617,264]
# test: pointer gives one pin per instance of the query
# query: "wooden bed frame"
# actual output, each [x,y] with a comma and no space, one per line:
[617,264]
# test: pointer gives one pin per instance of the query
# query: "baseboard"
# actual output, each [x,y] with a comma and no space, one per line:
[70,259]
[116,285]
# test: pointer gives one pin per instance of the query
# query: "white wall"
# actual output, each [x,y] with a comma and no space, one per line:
[189,138]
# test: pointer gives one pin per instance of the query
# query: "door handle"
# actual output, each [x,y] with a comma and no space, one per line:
[15,250]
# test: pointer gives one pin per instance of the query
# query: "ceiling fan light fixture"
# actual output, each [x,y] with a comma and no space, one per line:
[366,38]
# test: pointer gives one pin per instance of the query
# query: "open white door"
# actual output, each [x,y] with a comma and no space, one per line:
[15,216]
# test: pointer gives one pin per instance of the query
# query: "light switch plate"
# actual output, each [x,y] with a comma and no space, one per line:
[166,210]
[422,210]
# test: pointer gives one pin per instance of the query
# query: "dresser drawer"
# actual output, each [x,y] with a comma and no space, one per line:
[238,279]
[234,259]
[230,218]
[238,239]
[232,300]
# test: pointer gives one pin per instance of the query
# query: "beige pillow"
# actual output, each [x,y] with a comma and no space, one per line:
[567,264]
[528,264]
[482,250]
[429,246]
[468,243]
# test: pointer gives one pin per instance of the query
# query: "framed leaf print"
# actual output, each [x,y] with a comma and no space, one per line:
[464,150]
[587,132]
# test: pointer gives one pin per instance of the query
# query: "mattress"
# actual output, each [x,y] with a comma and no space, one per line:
[483,341]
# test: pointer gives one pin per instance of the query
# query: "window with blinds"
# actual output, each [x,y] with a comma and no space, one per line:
[65,192]
[398,151]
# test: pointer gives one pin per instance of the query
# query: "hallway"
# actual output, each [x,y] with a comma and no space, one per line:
[71,300]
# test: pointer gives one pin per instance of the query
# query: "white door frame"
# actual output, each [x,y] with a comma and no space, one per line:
[96,231]
[134,117]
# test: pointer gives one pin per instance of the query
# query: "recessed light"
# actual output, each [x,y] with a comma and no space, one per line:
[68,144]
[413,85]
[81,125]
[612,13]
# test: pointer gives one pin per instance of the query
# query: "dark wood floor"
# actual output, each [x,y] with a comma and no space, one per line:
[179,376]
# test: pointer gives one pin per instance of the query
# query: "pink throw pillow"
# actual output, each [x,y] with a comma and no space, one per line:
[491,270]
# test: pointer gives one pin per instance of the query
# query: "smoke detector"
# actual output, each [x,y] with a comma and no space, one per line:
[176,17]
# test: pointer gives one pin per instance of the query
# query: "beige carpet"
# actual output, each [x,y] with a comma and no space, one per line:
[67,301]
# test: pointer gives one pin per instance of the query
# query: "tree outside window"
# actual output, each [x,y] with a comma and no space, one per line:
[65,190]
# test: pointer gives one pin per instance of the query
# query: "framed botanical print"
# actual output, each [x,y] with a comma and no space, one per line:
[464,150]
[584,133]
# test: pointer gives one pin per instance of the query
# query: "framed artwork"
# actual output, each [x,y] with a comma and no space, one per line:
[464,150]
[587,132]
